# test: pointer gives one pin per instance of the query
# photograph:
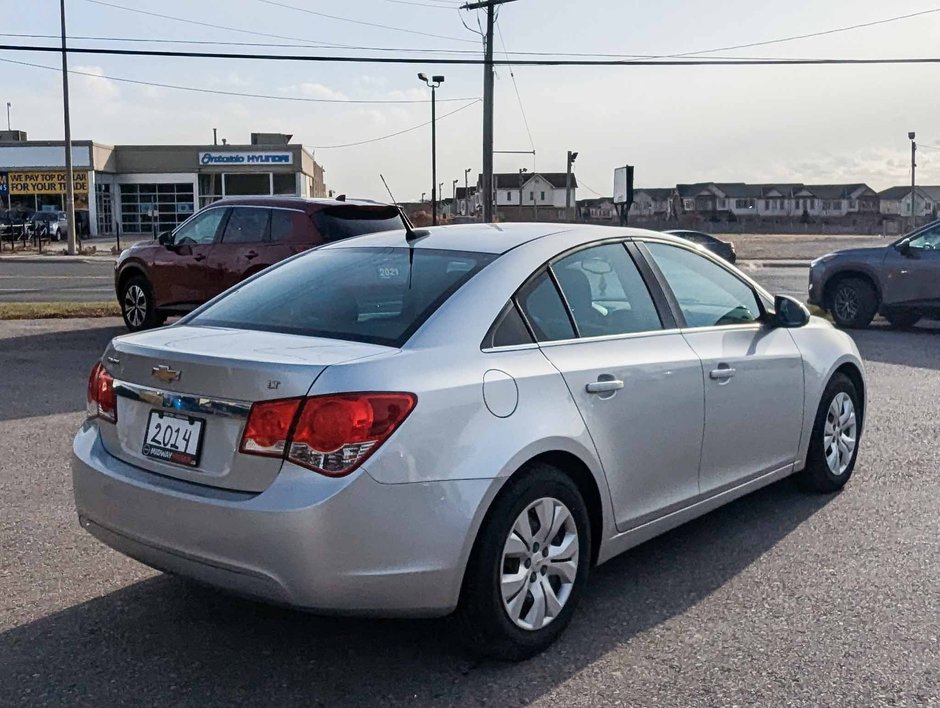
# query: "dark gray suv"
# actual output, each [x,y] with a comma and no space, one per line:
[900,281]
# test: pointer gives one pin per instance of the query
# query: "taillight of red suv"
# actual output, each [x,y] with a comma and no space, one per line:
[331,434]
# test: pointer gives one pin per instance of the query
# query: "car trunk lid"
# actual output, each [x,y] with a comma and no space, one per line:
[200,382]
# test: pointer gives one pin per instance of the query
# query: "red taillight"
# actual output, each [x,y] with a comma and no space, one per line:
[330,434]
[101,400]
[269,426]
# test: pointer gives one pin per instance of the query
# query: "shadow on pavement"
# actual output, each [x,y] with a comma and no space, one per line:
[47,372]
[166,641]
[918,347]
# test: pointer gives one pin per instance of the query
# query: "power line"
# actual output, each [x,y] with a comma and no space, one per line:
[592,191]
[472,62]
[512,75]
[240,94]
[822,33]
[392,135]
[423,4]
[361,22]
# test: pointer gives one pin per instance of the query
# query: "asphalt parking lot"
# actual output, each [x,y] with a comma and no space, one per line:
[777,599]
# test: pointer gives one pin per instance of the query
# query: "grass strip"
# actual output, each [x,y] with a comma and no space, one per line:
[57,310]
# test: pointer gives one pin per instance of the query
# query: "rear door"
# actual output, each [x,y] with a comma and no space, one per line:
[635,379]
[180,274]
[242,248]
[752,373]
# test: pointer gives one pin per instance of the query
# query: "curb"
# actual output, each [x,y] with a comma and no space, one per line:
[772,263]
[35,258]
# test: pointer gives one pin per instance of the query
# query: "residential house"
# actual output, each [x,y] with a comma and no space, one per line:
[721,200]
[896,201]
[600,209]
[655,201]
[543,192]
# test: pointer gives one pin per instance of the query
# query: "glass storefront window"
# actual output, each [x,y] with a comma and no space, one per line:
[285,183]
[103,206]
[247,184]
[145,206]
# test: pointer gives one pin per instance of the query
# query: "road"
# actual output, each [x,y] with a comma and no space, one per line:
[777,599]
[81,281]
[93,281]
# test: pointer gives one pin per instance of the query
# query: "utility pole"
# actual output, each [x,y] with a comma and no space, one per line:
[9,125]
[487,185]
[572,156]
[911,136]
[69,186]
[453,197]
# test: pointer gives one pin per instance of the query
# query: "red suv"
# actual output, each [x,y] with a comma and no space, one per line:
[229,241]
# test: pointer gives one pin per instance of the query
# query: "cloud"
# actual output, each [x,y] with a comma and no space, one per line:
[92,84]
[313,90]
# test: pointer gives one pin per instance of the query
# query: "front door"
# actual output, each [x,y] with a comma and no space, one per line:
[638,386]
[752,373]
[180,270]
[913,278]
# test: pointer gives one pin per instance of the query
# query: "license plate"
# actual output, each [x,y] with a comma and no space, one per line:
[173,438]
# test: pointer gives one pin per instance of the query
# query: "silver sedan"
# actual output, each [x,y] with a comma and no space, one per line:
[463,420]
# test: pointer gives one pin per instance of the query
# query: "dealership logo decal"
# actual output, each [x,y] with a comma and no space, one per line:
[245,158]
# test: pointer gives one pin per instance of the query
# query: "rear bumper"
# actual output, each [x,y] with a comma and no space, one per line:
[350,545]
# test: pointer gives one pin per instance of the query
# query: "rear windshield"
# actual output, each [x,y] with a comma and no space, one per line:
[376,295]
[339,222]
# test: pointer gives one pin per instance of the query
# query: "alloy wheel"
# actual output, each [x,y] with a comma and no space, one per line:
[840,434]
[539,564]
[845,303]
[135,305]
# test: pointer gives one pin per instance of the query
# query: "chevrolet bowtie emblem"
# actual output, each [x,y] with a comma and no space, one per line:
[165,374]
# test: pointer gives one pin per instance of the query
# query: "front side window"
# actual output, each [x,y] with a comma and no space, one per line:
[200,229]
[605,292]
[927,241]
[246,225]
[708,295]
[376,295]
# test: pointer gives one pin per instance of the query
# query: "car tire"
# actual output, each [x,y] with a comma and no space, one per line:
[831,458]
[501,556]
[853,303]
[903,319]
[58,235]
[137,305]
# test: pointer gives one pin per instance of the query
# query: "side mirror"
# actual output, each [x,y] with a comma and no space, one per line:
[904,248]
[789,312]
[165,238]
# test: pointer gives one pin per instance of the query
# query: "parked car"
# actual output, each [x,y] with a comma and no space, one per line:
[723,249]
[227,242]
[901,281]
[51,224]
[466,419]
[13,225]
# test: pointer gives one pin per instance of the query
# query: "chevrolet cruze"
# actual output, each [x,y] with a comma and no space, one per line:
[462,420]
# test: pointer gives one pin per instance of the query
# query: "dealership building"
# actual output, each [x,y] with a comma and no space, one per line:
[142,188]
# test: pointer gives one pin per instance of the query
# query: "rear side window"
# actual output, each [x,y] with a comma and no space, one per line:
[377,295]
[339,222]
[508,330]
[282,224]
[246,225]
[544,310]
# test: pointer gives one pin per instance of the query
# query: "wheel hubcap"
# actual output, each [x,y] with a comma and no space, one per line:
[839,435]
[540,563]
[845,303]
[135,305]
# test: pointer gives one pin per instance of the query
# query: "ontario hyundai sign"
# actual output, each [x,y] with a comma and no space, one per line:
[245,158]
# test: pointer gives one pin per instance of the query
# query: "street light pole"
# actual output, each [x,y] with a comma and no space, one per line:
[9,125]
[69,186]
[572,156]
[453,197]
[911,137]
[466,191]
[433,83]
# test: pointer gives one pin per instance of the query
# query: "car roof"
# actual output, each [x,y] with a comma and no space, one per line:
[295,202]
[493,238]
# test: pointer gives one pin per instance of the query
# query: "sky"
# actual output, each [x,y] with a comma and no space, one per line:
[812,124]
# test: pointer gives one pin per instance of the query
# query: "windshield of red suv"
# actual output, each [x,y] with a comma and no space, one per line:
[338,222]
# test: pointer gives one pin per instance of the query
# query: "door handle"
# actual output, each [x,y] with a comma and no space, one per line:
[722,373]
[607,386]
[251,254]
[199,257]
